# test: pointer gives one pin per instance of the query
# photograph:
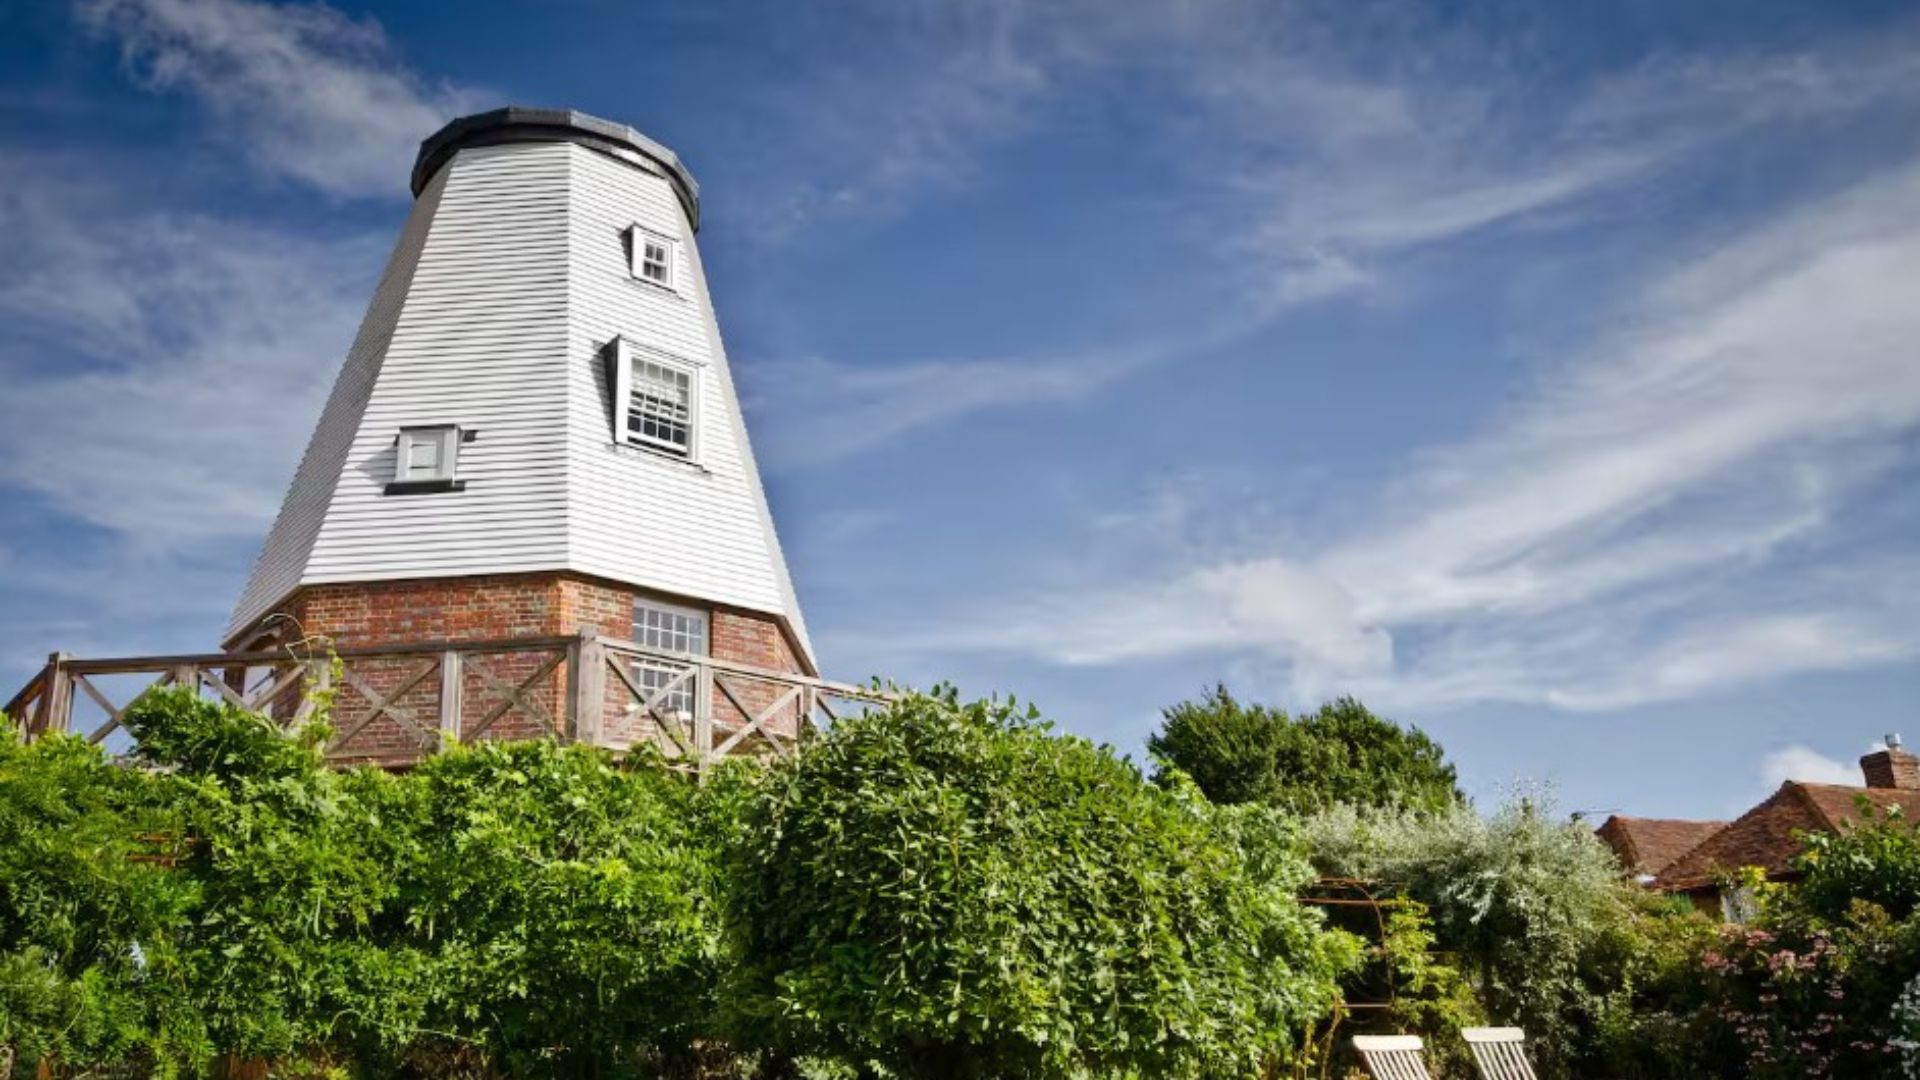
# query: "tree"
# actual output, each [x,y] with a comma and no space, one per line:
[951,889]
[1340,753]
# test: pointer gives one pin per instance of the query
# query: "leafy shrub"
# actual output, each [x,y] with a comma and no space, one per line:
[1874,859]
[1638,968]
[86,968]
[1519,898]
[1780,1005]
[1405,985]
[1813,987]
[526,907]
[291,868]
[951,889]
[567,909]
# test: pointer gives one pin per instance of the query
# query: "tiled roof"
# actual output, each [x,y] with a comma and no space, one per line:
[1838,802]
[1650,845]
[1765,835]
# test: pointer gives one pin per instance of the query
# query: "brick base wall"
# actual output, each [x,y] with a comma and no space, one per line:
[400,612]
[502,607]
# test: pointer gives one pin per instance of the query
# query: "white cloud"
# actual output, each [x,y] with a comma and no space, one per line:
[1289,609]
[1588,550]
[199,350]
[303,90]
[1807,765]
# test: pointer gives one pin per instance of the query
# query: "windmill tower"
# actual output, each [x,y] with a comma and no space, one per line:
[535,432]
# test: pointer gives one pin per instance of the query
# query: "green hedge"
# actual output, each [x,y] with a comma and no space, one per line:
[941,888]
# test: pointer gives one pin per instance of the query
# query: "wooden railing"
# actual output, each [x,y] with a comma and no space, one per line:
[390,705]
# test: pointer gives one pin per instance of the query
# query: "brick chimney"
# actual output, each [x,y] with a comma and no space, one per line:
[1892,767]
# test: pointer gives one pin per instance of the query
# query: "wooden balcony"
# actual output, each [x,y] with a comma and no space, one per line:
[392,705]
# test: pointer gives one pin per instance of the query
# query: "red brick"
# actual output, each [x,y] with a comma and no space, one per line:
[504,607]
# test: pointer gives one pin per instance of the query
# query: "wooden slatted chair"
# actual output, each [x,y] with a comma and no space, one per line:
[1393,1057]
[1498,1053]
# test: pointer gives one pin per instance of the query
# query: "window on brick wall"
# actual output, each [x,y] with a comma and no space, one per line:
[672,629]
[656,400]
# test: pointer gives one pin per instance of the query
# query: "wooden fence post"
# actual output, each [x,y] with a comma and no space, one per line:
[56,701]
[703,717]
[586,688]
[452,689]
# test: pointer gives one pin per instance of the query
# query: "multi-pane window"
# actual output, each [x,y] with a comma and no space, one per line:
[660,406]
[652,256]
[656,399]
[655,261]
[666,628]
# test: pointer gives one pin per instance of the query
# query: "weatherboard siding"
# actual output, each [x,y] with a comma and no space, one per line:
[496,312]
[283,557]
[478,344]
[693,529]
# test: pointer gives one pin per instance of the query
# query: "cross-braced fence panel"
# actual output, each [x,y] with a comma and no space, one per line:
[90,698]
[391,706]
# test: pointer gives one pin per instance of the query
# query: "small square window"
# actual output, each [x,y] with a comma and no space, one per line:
[424,459]
[652,256]
[656,400]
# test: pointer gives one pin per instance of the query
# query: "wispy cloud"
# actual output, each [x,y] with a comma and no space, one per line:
[189,340]
[940,84]
[1330,171]
[197,349]
[819,411]
[303,90]
[1587,551]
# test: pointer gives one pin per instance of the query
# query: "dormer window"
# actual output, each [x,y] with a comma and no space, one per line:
[655,400]
[424,460]
[652,255]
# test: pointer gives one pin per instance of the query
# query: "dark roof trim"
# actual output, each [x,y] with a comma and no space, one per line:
[517,123]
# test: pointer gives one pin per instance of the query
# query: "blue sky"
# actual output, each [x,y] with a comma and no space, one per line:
[1545,375]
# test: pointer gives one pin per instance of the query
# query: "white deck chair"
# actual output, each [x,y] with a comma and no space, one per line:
[1393,1057]
[1498,1054]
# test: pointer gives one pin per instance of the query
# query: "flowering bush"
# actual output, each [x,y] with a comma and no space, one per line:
[1906,1028]
[1821,984]
[1785,1003]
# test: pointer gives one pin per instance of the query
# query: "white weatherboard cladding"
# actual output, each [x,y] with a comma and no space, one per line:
[515,279]
[284,555]
[699,529]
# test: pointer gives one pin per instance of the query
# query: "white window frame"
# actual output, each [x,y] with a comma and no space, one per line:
[649,673]
[638,237]
[626,357]
[446,438]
